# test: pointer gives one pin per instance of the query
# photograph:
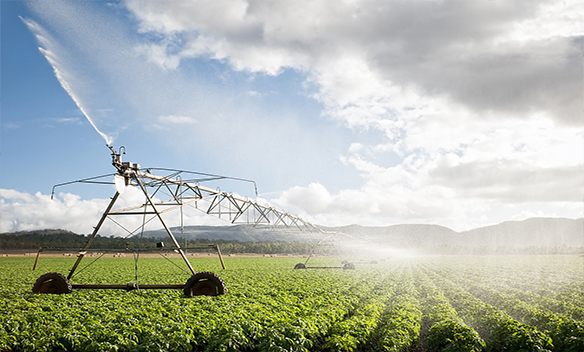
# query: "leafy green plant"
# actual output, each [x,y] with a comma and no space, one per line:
[453,336]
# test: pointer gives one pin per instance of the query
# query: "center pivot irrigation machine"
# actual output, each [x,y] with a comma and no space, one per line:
[178,192]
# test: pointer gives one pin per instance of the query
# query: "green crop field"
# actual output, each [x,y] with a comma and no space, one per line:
[482,303]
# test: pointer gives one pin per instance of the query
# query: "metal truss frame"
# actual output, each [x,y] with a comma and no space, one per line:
[167,193]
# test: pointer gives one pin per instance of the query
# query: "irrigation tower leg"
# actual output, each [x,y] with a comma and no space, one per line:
[92,237]
[181,252]
[220,256]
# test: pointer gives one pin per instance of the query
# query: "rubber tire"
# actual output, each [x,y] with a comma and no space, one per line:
[300,266]
[349,266]
[205,284]
[53,283]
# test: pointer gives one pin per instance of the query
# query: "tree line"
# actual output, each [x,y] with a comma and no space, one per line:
[33,240]
[62,239]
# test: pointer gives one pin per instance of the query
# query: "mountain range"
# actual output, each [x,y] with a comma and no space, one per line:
[538,232]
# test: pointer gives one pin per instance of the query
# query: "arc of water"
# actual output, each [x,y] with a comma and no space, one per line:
[44,43]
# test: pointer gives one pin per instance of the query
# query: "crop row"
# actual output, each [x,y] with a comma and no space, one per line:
[567,333]
[428,304]
[496,327]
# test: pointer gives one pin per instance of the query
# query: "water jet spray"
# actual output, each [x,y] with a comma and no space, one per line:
[44,42]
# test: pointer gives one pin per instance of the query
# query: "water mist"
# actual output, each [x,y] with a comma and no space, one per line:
[60,73]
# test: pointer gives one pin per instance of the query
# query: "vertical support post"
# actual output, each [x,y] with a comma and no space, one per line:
[92,237]
[37,258]
[180,251]
[220,256]
[182,223]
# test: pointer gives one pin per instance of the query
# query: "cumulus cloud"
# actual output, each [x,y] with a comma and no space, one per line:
[490,56]
[461,174]
[478,103]
[509,181]
[179,120]
[21,211]
[314,199]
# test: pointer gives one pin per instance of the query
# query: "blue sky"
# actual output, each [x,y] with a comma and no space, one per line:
[37,112]
[462,115]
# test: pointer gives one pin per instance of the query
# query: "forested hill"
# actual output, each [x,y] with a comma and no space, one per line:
[538,232]
[544,232]
[534,232]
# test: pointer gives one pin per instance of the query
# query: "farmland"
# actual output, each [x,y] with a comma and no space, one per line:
[481,303]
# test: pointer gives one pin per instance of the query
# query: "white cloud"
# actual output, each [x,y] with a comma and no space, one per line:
[314,199]
[411,201]
[177,120]
[477,54]
[555,19]
[173,123]
[68,120]
[21,211]
[157,54]
[460,174]
[478,103]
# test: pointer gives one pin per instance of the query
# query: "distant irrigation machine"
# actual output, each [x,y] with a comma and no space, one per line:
[346,265]
[178,192]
